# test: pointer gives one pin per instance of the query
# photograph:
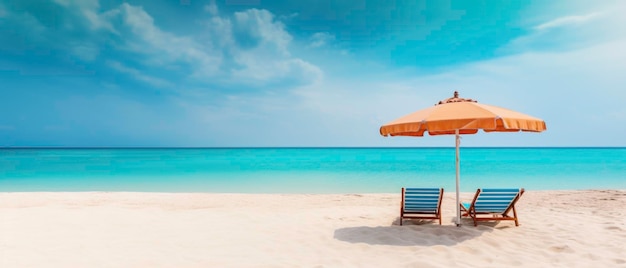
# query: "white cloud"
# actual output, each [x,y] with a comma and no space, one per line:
[86,52]
[212,8]
[573,32]
[288,16]
[138,74]
[90,11]
[102,20]
[568,21]
[25,23]
[6,128]
[3,12]
[221,32]
[321,39]
[165,47]
[258,45]
[79,28]
[290,71]
[260,24]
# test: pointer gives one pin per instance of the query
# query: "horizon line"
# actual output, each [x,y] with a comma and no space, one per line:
[308,147]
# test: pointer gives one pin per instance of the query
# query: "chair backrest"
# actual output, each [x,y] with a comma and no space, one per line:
[425,200]
[496,200]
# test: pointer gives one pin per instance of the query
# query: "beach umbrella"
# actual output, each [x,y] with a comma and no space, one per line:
[458,116]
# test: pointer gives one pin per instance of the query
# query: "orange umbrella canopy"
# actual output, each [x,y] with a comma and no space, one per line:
[466,115]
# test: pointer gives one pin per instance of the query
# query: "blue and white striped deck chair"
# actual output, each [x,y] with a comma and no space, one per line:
[421,203]
[492,205]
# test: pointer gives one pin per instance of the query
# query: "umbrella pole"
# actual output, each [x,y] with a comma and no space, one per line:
[458,208]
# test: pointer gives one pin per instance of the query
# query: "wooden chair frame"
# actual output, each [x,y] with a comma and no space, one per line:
[486,215]
[428,214]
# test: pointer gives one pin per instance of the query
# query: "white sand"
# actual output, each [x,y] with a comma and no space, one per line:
[557,229]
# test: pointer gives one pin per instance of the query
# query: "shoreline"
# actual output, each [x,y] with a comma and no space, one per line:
[574,228]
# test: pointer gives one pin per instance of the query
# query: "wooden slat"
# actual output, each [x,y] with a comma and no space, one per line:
[484,198]
[433,197]
[422,197]
[419,207]
[500,190]
[496,195]
[422,189]
[478,203]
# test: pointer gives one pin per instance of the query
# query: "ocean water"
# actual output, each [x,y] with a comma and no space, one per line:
[308,170]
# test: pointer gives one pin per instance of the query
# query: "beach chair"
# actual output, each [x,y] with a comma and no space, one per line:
[421,203]
[492,205]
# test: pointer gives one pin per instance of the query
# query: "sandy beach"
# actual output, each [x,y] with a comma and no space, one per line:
[111,229]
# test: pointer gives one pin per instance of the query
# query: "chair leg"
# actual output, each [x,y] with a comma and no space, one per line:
[473,215]
[515,216]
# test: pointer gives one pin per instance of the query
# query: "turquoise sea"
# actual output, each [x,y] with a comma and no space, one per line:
[307,170]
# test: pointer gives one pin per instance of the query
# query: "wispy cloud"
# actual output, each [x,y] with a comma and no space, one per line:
[136,74]
[165,48]
[89,10]
[6,128]
[572,32]
[262,53]
[568,21]
[211,8]
[255,45]
[321,39]
[286,71]
[255,27]
[3,11]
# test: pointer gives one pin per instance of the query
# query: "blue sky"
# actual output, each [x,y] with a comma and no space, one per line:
[304,73]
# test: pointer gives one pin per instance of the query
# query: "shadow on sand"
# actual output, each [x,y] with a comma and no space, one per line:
[414,233]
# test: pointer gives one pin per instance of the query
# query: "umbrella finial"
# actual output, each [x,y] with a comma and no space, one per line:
[455,99]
